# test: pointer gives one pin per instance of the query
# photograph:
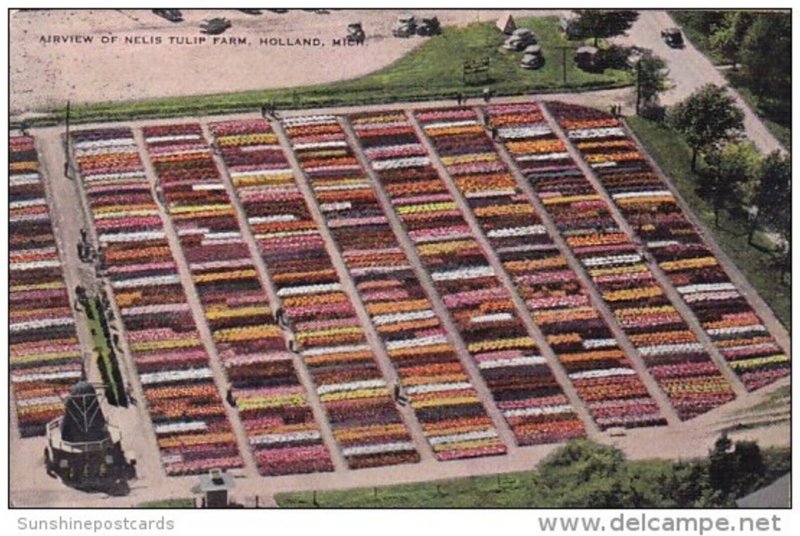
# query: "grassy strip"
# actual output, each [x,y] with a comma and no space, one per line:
[654,481]
[431,71]
[107,357]
[780,124]
[168,503]
[778,399]
[674,158]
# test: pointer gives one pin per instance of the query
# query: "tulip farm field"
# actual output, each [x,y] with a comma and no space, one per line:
[349,298]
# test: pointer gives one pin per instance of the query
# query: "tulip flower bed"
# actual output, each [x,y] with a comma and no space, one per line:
[272,403]
[443,398]
[351,388]
[190,423]
[558,303]
[648,204]
[44,352]
[675,358]
[518,377]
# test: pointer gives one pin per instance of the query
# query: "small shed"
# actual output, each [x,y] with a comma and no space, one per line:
[586,57]
[215,486]
[506,23]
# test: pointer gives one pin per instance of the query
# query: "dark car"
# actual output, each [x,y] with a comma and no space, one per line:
[355,32]
[215,26]
[429,26]
[172,15]
[672,37]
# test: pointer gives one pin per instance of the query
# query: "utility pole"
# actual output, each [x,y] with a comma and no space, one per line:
[638,84]
[564,49]
[66,142]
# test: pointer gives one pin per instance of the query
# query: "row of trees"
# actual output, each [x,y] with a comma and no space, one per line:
[735,177]
[584,474]
[760,43]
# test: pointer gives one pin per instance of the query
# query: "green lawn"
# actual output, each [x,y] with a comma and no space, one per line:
[674,157]
[434,70]
[102,348]
[168,503]
[780,124]
[588,476]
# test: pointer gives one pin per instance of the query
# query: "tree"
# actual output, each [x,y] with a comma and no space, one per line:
[651,79]
[783,257]
[707,117]
[585,474]
[604,23]
[767,56]
[732,168]
[750,468]
[721,474]
[727,36]
[702,21]
[772,193]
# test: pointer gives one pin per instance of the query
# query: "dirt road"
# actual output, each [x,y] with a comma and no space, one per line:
[689,69]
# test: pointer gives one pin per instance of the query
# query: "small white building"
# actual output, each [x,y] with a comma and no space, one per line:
[506,23]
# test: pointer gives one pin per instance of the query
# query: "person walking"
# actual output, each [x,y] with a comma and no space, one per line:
[487,95]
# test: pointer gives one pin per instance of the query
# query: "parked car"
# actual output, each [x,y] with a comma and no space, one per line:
[672,37]
[215,26]
[405,26]
[569,27]
[172,15]
[429,26]
[519,39]
[355,32]
[532,57]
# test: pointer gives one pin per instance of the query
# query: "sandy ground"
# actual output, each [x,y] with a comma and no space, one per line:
[45,74]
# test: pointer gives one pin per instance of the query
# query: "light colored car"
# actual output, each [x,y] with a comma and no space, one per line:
[521,38]
[531,61]
[405,26]
[532,57]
